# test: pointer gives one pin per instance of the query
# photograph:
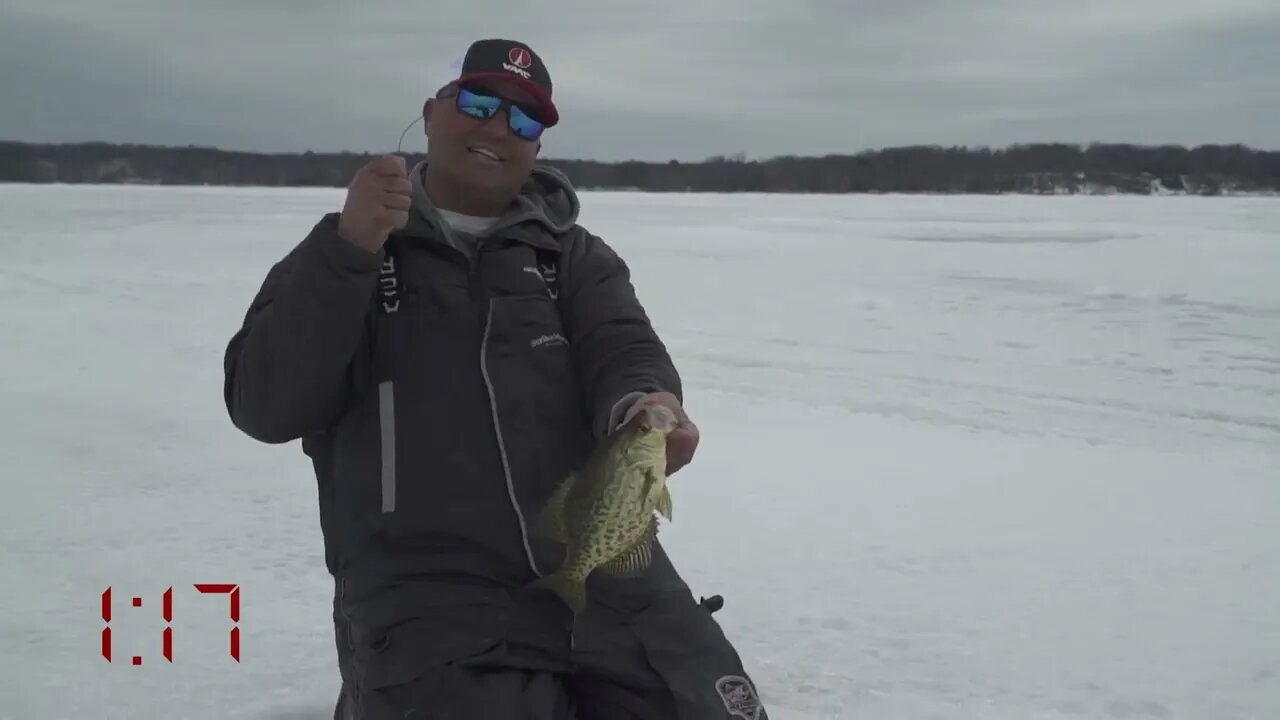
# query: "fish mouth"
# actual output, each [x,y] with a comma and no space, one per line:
[660,418]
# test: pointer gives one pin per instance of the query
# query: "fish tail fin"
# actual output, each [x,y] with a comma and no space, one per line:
[571,590]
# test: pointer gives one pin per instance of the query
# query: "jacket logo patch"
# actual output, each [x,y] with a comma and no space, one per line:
[552,339]
[389,285]
[546,273]
[740,697]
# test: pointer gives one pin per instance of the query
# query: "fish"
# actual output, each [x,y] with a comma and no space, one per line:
[606,513]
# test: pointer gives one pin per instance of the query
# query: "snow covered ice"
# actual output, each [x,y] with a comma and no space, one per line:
[963,457]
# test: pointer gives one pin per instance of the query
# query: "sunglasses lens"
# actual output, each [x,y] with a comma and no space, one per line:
[477,105]
[483,106]
[525,126]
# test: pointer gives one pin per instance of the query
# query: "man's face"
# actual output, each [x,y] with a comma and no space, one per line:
[479,156]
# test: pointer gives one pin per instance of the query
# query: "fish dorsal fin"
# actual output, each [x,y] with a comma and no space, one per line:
[634,560]
[551,522]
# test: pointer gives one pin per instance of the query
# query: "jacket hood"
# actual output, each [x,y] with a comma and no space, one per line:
[547,203]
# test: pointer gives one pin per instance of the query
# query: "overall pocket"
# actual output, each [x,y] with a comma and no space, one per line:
[408,667]
[688,649]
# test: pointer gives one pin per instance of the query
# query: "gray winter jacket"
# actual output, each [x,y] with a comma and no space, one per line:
[442,390]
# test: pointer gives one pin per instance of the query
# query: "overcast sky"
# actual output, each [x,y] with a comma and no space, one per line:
[652,80]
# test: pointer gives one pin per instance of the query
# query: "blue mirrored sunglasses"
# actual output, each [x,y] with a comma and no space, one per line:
[483,106]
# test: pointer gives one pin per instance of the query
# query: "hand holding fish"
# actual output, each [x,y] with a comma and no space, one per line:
[606,513]
[682,442]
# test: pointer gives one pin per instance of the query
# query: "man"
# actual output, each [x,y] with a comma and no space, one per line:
[448,348]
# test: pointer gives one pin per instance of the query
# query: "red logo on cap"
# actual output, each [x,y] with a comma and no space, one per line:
[520,57]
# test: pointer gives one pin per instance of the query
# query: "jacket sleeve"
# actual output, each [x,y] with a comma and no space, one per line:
[287,367]
[617,351]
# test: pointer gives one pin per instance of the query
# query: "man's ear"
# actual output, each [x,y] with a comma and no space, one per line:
[428,108]
[538,150]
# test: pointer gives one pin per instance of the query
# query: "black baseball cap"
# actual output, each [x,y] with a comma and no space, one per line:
[508,61]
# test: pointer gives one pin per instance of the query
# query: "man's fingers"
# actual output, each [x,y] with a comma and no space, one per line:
[396,202]
[682,443]
[687,433]
[677,462]
[398,186]
[670,401]
[393,219]
[389,165]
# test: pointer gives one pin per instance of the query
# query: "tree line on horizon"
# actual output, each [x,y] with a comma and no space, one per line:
[1040,168]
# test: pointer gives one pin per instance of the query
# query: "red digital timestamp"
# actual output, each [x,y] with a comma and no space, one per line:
[167,610]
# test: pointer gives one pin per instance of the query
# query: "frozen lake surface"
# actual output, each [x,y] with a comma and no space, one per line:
[963,457]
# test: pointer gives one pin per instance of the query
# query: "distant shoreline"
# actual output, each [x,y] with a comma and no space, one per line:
[1034,169]
[727,193]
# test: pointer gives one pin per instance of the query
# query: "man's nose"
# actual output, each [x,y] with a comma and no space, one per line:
[496,126]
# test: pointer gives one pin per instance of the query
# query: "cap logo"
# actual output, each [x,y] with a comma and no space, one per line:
[519,57]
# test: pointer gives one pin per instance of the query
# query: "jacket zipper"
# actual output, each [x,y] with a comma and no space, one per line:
[502,447]
[478,292]
[474,282]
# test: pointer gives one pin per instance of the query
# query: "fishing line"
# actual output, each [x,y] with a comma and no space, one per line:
[402,134]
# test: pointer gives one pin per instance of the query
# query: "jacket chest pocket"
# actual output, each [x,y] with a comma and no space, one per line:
[535,391]
[527,352]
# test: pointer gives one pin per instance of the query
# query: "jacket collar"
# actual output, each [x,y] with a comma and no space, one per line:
[546,207]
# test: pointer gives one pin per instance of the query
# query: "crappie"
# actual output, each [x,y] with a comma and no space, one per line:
[604,512]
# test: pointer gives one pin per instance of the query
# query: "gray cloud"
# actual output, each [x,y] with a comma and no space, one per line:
[665,79]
